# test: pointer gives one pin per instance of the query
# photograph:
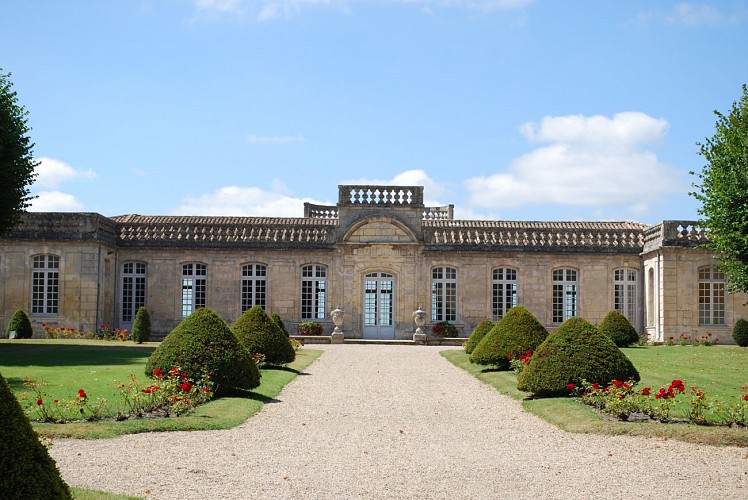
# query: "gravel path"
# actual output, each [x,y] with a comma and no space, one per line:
[398,422]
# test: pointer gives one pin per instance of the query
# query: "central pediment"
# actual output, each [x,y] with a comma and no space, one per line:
[379,229]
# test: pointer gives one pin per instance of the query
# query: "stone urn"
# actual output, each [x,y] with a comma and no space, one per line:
[419,318]
[337,336]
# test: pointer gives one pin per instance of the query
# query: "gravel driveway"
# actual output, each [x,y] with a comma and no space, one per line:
[398,422]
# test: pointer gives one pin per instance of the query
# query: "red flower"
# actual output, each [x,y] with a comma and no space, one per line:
[627,386]
[39,401]
[82,394]
[158,373]
[595,386]
[186,386]
[206,389]
[745,397]
[57,401]
[44,325]
[658,395]
[147,390]
[617,383]
[570,386]
[645,391]
[183,375]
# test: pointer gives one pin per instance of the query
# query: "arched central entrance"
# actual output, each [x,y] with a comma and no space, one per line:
[379,306]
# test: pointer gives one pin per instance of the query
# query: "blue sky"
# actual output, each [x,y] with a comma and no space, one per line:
[509,109]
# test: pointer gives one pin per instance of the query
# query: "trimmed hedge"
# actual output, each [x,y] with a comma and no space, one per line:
[477,334]
[278,321]
[617,327]
[740,333]
[203,343]
[27,469]
[518,331]
[141,327]
[576,351]
[20,323]
[260,334]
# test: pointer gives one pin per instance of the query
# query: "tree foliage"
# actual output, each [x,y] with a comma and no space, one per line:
[16,160]
[723,192]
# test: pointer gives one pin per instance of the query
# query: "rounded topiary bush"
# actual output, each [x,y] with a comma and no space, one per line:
[278,321]
[141,327]
[27,469]
[575,352]
[260,334]
[518,331]
[477,334]
[617,327]
[203,343]
[20,324]
[740,333]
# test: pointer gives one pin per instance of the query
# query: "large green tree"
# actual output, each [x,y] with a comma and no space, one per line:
[723,192]
[16,161]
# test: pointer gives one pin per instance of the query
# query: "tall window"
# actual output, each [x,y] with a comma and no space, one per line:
[711,296]
[504,291]
[565,287]
[194,287]
[443,294]
[313,291]
[254,286]
[624,293]
[133,289]
[45,284]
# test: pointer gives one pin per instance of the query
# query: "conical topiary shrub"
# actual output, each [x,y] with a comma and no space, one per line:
[740,332]
[260,334]
[141,327]
[20,324]
[27,469]
[575,352]
[518,331]
[477,334]
[203,343]
[617,327]
[278,321]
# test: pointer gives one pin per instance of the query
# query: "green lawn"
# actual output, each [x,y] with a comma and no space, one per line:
[721,371]
[98,367]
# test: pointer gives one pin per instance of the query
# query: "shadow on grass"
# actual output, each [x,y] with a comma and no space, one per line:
[40,354]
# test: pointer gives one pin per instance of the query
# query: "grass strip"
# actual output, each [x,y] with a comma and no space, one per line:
[654,365]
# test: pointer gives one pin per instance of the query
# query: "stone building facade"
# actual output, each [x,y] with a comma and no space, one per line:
[378,255]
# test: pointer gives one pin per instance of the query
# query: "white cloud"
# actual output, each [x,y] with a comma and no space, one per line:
[481,5]
[275,140]
[244,201]
[268,10]
[697,14]
[417,177]
[55,201]
[589,161]
[224,6]
[52,173]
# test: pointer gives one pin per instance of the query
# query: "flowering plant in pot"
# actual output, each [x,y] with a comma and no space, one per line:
[444,329]
[309,328]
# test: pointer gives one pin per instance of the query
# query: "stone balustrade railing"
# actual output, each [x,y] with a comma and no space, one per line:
[320,211]
[380,195]
[212,235]
[675,233]
[486,234]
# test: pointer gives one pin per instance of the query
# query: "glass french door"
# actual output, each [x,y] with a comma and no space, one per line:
[379,306]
